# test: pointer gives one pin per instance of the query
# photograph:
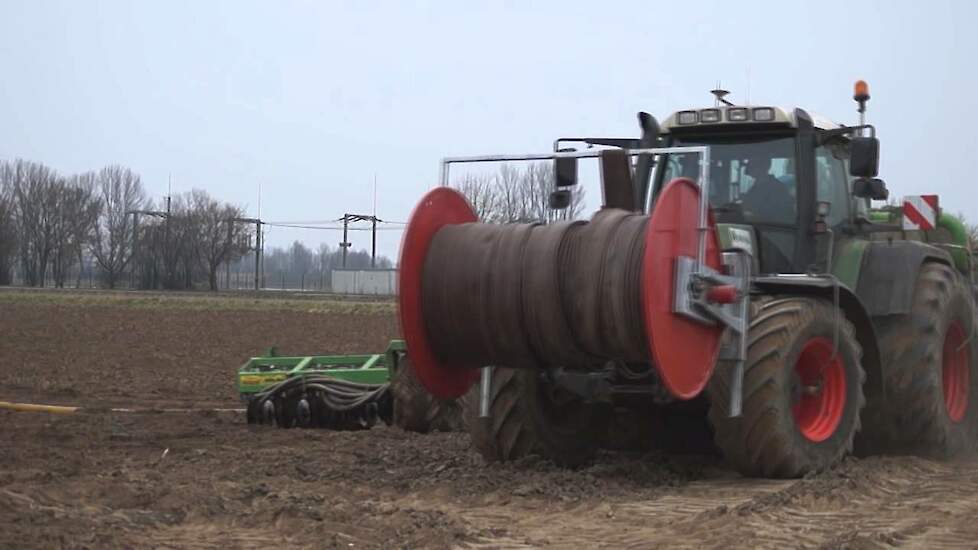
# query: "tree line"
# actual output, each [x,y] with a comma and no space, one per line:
[50,224]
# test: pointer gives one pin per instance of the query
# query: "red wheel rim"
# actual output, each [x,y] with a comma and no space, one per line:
[439,207]
[684,351]
[956,376]
[821,398]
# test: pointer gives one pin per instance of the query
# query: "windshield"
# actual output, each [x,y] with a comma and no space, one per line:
[750,182]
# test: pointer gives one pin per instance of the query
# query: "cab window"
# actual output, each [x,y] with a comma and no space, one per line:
[750,182]
[832,182]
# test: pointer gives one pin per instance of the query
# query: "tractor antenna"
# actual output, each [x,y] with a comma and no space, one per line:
[720,94]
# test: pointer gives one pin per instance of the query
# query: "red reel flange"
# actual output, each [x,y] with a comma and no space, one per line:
[439,207]
[683,351]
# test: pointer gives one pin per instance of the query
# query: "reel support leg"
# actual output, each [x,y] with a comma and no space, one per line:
[485,392]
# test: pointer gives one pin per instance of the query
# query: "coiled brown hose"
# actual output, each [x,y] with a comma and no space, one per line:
[533,296]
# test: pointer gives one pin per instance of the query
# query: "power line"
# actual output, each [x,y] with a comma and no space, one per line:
[326,222]
[331,228]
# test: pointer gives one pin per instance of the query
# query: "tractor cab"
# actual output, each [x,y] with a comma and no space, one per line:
[778,177]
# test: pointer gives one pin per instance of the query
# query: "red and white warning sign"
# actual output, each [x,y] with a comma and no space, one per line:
[920,212]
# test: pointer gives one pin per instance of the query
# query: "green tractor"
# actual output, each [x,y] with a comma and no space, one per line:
[735,282]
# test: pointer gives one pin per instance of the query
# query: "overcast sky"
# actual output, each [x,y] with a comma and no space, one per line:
[311,100]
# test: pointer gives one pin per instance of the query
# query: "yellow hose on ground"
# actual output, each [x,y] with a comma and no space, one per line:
[30,407]
[59,409]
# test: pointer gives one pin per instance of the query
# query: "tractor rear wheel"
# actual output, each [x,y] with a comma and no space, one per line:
[527,415]
[931,386]
[802,395]
[416,410]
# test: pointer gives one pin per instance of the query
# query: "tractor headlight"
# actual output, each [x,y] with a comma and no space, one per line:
[687,117]
[738,114]
[710,115]
[763,114]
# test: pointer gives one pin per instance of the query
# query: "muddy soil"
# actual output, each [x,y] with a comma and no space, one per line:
[209,480]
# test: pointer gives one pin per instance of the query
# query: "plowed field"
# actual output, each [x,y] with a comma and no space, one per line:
[208,480]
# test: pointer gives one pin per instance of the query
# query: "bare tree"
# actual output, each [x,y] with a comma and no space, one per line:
[323,265]
[480,192]
[301,261]
[514,195]
[216,237]
[35,196]
[76,213]
[119,191]
[174,236]
[8,225]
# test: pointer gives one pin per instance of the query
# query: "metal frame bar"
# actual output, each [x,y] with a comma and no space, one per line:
[704,183]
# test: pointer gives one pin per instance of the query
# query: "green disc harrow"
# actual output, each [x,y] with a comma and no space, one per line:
[339,392]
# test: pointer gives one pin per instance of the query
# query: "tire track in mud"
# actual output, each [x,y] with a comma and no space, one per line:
[876,502]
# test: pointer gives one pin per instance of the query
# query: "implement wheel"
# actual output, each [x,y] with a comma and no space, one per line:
[802,397]
[416,410]
[931,386]
[529,416]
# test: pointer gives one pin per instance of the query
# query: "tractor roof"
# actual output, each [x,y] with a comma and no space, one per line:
[742,114]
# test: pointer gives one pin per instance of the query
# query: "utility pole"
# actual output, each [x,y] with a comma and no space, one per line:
[353,218]
[132,257]
[259,256]
[346,242]
[373,243]
[227,259]
[166,234]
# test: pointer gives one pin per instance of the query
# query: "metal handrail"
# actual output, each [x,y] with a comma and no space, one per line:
[704,183]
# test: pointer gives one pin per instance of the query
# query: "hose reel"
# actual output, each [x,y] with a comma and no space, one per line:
[568,294]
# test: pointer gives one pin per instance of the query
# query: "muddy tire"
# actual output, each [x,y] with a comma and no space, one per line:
[504,436]
[526,418]
[930,382]
[416,410]
[801,402]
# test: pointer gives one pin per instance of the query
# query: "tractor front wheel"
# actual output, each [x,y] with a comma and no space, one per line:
[802,391]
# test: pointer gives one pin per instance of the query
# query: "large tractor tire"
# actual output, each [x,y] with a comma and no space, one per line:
[929,361]
[504,436]
[802,397]
[528,416]
[416,410]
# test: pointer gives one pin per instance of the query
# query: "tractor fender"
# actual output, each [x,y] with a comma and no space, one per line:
[889,271]
[850,304]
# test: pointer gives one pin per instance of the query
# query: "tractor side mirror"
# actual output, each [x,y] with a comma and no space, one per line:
[870,188]
[565,170]
[560,199]
[864,157]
